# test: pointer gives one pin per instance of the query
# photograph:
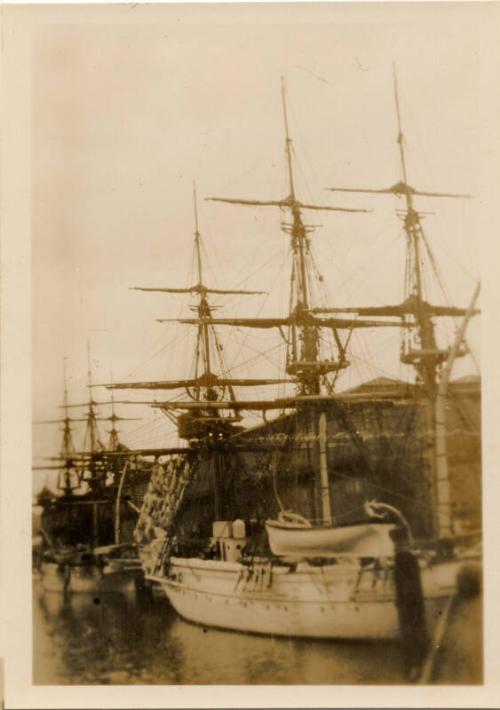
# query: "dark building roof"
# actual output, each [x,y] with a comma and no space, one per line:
[390,386]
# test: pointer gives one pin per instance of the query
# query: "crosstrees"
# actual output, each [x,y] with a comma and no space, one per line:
[296,319]
[206,386]
[303,358]
[419,347]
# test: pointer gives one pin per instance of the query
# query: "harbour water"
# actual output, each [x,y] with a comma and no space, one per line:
[130,640]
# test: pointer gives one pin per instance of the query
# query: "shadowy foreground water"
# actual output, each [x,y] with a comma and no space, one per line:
[130,640]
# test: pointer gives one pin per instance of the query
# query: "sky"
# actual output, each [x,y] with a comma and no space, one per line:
[126,116]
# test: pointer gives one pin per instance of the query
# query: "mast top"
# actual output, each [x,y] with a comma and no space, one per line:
[89,368]
[418,347]
[303,341]
[199,288]
[195,203]
[401,188]
[288,142]
[203,385]
[65,396]
[400,138]
[197,238]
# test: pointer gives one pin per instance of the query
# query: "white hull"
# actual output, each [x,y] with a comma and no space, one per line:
[334,601]
[88,579]
[361,540]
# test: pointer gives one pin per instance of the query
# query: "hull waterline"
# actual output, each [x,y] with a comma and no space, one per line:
[334,601]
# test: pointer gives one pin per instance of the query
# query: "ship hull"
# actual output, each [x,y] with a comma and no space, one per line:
[331,601]
[88,579]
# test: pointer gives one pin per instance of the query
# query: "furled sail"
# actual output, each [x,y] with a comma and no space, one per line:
[338,323]
[411,306]
[206,380]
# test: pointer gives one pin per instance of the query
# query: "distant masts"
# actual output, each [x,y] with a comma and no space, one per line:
[92,443]
[67,484]
[91,439]
[67,480]
[67,448]
[114,441]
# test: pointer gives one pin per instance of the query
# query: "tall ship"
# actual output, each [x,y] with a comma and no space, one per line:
[335,519]
[85,527]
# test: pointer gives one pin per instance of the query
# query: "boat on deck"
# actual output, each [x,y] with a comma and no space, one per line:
[292,536]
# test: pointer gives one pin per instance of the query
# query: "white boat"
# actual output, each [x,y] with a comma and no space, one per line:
[370,539]
[346,600]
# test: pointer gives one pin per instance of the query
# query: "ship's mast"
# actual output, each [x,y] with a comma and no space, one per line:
[204,313]
[303,329]
[67,448]
[206,388]
[300,276]
[66,459]
[419,347]
[426,357]
[93,457]
[303,360]
[68,455]
[114,440]
[310,381]
[92,442]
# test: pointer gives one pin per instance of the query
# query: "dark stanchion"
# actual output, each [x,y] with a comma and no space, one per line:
[411,612]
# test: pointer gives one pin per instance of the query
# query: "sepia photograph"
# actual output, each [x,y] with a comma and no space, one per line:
[256,400]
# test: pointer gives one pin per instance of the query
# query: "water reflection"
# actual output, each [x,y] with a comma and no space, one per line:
[126,640]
